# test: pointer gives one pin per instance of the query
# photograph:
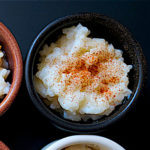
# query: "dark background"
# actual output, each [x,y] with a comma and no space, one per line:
[23,127]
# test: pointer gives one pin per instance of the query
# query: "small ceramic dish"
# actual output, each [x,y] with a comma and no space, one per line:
[102,142]
[102,27]
[14,58]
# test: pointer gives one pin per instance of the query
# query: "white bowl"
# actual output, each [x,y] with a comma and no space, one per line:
[104,143]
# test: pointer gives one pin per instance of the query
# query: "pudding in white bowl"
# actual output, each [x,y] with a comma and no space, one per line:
[85,142]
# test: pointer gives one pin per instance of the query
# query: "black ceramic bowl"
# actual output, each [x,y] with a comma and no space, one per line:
[102,27]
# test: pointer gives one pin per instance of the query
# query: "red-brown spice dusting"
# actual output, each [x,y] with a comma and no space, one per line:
[111,80]
[103,89]
[93,69]
[83,74]
[114,96]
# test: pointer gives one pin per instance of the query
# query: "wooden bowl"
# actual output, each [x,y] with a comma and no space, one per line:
[14,59]
[3,146]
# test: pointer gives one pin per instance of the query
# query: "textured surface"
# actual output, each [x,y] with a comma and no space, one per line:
[27,129]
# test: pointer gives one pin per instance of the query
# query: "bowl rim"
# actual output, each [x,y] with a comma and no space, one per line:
[59,122]
[3,146]
[13,48]
[80,139]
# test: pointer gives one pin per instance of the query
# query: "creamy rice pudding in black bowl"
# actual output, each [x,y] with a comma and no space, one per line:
[84,72]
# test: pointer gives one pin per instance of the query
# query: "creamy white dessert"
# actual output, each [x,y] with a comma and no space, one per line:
[4,85]
[82,76]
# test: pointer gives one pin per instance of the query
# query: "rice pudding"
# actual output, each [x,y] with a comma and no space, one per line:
[4,72]
[82,77]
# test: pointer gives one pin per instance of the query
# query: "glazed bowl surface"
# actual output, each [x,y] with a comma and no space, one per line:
[15,65]
[102,142]
[101,27]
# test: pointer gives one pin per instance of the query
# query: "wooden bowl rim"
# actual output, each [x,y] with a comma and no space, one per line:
[3,146]
[17,68]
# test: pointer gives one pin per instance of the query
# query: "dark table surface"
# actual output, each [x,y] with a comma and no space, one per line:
[23,127]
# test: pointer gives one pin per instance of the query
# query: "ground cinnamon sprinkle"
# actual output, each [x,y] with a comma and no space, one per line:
[83,74]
